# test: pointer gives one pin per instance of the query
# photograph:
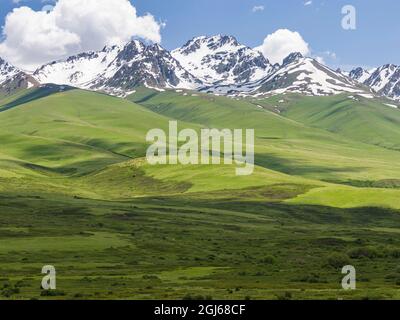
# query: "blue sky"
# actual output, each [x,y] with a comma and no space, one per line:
[376,40]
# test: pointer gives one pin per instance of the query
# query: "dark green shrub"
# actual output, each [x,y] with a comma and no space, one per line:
[268,260]
[338,260]
[365,252]
[52,293]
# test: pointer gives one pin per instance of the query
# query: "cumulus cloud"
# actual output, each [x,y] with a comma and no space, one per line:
[35,37]
[278,45]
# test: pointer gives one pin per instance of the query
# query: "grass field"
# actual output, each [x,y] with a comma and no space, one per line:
[77,193]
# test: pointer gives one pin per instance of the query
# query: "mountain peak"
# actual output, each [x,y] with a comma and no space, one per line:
[215,38]
[359,74]
[157,47]
[109,48]
[293,57]
[13,79]
[209,43]
[222,60]
[6,63]
[119,69]
[217,64]
[390,66]
[357,70]
[385,81]
[7,70]
[224,39]
[134,45]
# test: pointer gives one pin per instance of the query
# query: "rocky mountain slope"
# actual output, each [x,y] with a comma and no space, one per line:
[297,74]
[13,79]
[119,70]
[221,60]
[217,64]
[384,80]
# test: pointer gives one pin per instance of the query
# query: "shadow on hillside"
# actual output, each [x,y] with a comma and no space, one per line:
[284,213]
[41,92]
[293,167]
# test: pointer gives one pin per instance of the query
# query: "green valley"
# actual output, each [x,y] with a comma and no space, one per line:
[76,192]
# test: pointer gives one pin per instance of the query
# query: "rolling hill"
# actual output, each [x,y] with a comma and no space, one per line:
[372,121]
[76,192]
[284,144]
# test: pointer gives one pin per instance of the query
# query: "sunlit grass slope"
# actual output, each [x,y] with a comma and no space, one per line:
[77,131]
[85,144]
[283,144]
[76,192]
[373,121]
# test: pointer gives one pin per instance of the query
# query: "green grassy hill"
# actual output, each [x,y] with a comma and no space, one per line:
[283,144]
[368,120]
[77,131]
[76,192]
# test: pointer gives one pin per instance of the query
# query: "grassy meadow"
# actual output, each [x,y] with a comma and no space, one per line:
[76,192]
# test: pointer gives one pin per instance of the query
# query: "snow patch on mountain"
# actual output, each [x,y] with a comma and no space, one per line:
[391,105]
[218,65]
[118,70]
[384,80]
[222,60]
[360,74]
[13,79]
[297,74]
[79,70]
[307,76]
[7,71]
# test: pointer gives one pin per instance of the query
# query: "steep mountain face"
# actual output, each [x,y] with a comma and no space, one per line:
[307,76]
[297,74]
[18,82]
[7,70]
[360,74]
[12,79]
[151,66]
[218,65]
[386,81]
[221,60]
[79,70]
[119,70]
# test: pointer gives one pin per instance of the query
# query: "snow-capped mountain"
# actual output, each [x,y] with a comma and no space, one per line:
[152,66]
[13,79]
[297,74]
[217,64]
[222,60]
[307,76]
[384,80]
[79,70]
[119,70]
[7,70]
[360,74]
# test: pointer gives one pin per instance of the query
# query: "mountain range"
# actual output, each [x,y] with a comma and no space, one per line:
[218,65]
[384,80]
[76,190]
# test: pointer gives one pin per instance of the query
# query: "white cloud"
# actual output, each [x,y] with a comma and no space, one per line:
[308,3]
[35,37]
[258,8]
[322,56]
[278,45]
[320,59]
